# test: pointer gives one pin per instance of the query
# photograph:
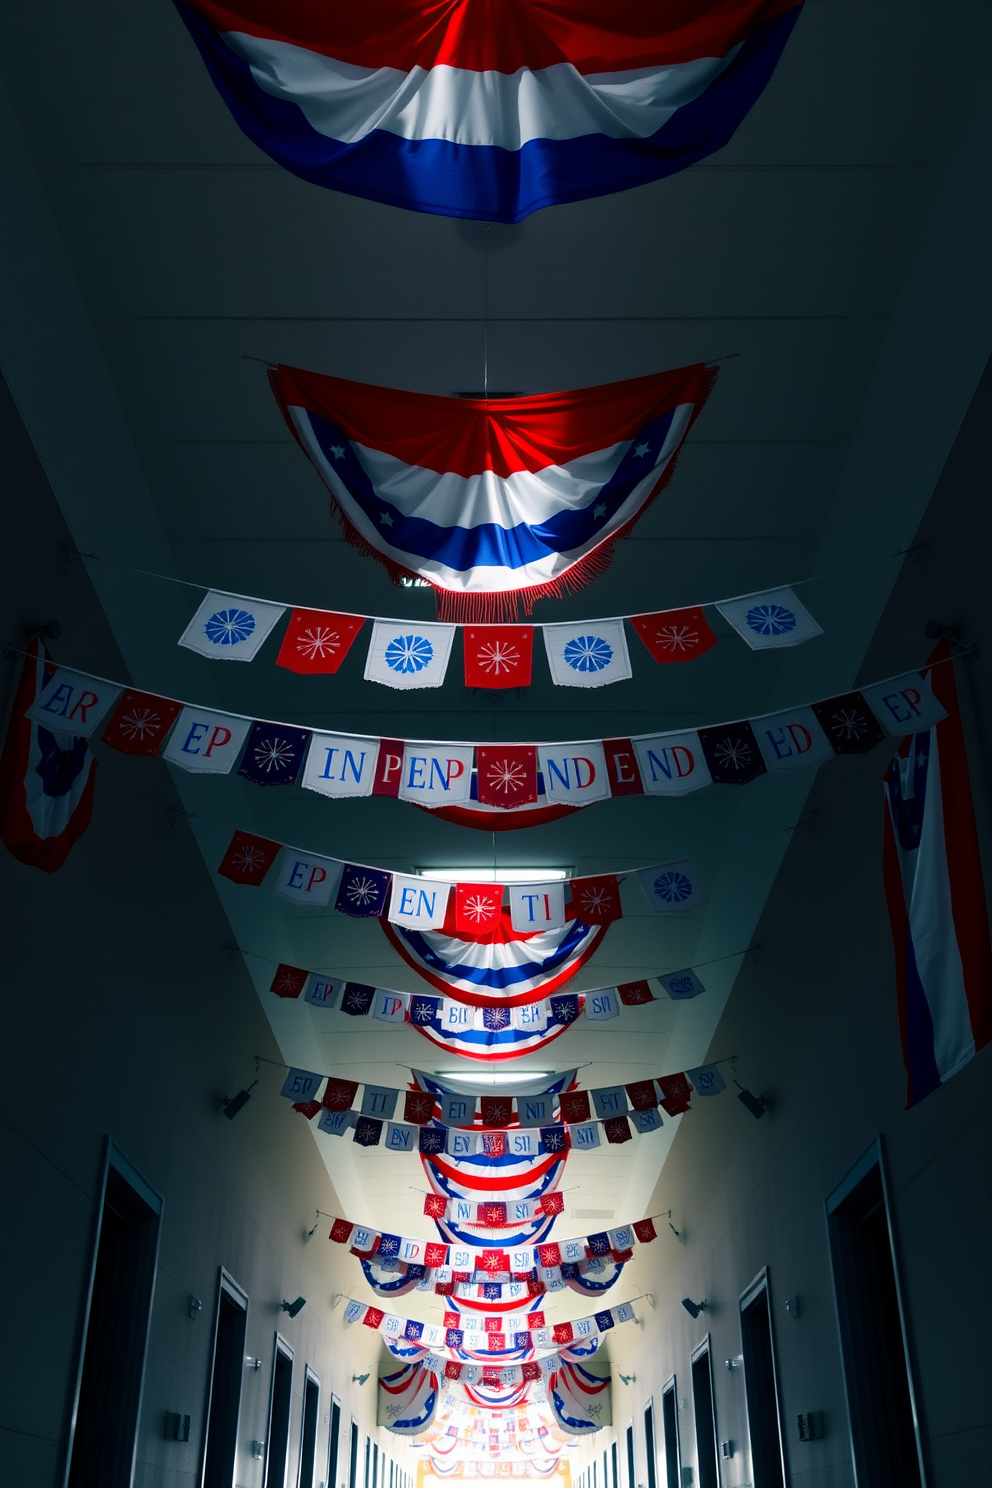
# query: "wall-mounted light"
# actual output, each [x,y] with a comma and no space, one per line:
[756,1104]
[258,1450]
[252,1363]
[195,1308]
[232,1104]
[496,875]
[693,1308]
[792,1307]
[359,1379]
[293,1308]
[628,1379]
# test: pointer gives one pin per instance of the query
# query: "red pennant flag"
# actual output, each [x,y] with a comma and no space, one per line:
[491,1379]
[140,722]
[562,1333]
[644,1230]
[596,901]
[288,981]
[339,1094]
[444,1288]
[461,1276]
[388,768]
[492,1325]
[477,907]
[574,1106]
[493,1216]
[418,1108]
[643,1095]
[317,641]
[552,1203]
[452,1319]
[341,1231]
[494,1144]
[617,1129]
[308,1109]
[536,1319]
[535,1288]
[531,1371]
[436,1254]
[452,1370]
[675,635]
[621,1256]
[495,1261]
[498,655]
[497,1342]
[496,1110]
[633,994]
[435,1206]
[549,1255]
[373,1317]
[675,1094]
[622,769]
[248,858]
[507,774]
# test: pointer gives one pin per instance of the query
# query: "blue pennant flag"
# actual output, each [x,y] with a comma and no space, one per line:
[274,754]
[363,892]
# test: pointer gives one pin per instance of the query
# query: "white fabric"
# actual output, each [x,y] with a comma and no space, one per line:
[390,1007]
[230,628]
[305,879]
[672,764]
[682,985]
[585,1136]
[587,653]
[408,655]
[768,621]
[602,1005]
[905,705]
[436,774]
[337,765]
[418,903]
[74,704]
[537,906]
[610,1100]
[792,740]
[574,772]
[706,1079]
[379,1100]
[671,887]
[301,1085]
[323,991]
[206,743]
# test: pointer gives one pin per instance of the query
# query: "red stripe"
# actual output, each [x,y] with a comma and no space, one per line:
[503,36]
[964,861]
[487,1182]
[500,821]
[466,436]
[494,1057]
[489,999]
[899,920]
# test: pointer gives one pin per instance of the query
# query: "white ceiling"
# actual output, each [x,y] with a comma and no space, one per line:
[830,253]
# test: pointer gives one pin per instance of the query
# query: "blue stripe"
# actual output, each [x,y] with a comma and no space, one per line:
[489,544]
[495,978]
[487,182]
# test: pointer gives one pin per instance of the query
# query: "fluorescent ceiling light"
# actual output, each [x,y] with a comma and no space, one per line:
[495,875]
[492,1077]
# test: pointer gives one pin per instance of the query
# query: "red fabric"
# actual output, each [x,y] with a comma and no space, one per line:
[452,1370]
[477,907]
[493,1215]
[530,1371]
[622,1256]
[634,994]
[341,1231]
[436,1255]
[498,655]
[461,1276]
[553,1203]
[496,1110]
[373,1317]
[644,1230]
[675,635]
[444,1288]
[288,981]
[562,1333]
[535,1288]
[418,1108]
[452,1320]
[435,1206]
[140,722]
[492,1325]
[494,1261]
[248,858]
[675,1093]
[595,901]
[471,815]
[317,641]
[308,1109]
[536,1319]
[642,1094]
[622,768]
[494,1143]
[507,774]
[339,1094]
[550,1254]
[617,1129]
[388,768]
[497,1342]
[574,1106]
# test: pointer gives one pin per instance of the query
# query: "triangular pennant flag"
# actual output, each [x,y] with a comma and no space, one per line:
[675,635]
[498,655]
[228,627]
[317,641]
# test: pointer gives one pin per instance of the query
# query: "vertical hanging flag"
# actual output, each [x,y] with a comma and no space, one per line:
[46,779]
[140,722]
[73,703]
[672,887]
[317,641]
[675,635]
[506,774]
[769,620]
[228,627]
[587,653]
[407,654]
[936,898]
[498,655]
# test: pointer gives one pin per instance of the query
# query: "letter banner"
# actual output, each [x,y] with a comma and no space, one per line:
[488,114]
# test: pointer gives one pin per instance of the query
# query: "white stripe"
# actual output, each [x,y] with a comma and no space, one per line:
[490,579]
[346,103]
[931,924]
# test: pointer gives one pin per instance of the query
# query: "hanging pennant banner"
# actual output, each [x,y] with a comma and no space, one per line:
[435,775]
[308,880]
[581,655]
[406,655]
[671,764]
[498,656]
[792,741]
[273,754]
[419,903]
[675,635]
[672,887]
[507,774]
[537,906]
[340,765]
[769,620]
[140,722]
[577,776]
[230,628]
[317,641]
[73,703]
[206,743]
[488,116]
[491,501]
[905,704]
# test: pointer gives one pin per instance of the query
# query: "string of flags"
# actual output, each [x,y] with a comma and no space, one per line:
[415,654]
[497,777]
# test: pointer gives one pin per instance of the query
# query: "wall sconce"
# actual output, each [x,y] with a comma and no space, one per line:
[693,1308]
[628,1379]
[359,1379]
[792,1307]
[258,1450]
[195,1308]
[232,1104]
[252,1363]
[293,1308]
[756,1104]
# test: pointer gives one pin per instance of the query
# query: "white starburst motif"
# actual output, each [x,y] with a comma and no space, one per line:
[229,627]
[478,908]
[140,724]
[507,776]
[318,642]
[594,901]
[733,754]
[849,723]
[249,859]
[497,657]
[274,754]
[286,981]
[363,891]
[677,638]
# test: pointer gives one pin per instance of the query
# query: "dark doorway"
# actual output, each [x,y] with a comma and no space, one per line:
[353,1456]
[614,1466]
[280,1404]
[704,1416]
[308,1429]
[760,1387]
[115,1329]
[227,1371]
[333,1443]
[873,1343]
[649,1446]
[670,1433]
[631,1471]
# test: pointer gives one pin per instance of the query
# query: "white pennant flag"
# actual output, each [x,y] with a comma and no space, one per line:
[537,906]
[73,704]
[585,1137]
[301,1085]
[672,764]
[408,654]
[322,991]
[419,903]
[671,887]
[335,1123]
[792,740]
[206,743]
[390,1007]
[574,772]
[602,1005]
[904,705]
[707,1079]
[304,879]
[773,619]
[681,985]
[228,627]
[337,765]
[589,653]
[436,774]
